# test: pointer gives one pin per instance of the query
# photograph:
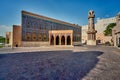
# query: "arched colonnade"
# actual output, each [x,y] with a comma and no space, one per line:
[61,37]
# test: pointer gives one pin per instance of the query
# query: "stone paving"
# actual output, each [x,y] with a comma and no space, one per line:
[68,63]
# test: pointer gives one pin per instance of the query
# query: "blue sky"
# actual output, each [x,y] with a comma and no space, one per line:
[73,11]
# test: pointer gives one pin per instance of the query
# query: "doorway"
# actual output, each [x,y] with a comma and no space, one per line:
[68,40]
[52,40]
[57,40]
[63,40]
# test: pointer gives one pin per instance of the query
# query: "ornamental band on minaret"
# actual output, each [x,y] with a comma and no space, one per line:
[91,29]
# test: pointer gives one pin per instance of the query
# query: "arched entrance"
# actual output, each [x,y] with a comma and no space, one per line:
[68,40]
[60,37]
[57,40]
[16,45]
[52,40]
[62,40]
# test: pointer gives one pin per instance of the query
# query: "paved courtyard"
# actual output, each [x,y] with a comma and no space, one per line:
[68,63]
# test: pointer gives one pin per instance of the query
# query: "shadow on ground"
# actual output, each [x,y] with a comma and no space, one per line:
[48,65]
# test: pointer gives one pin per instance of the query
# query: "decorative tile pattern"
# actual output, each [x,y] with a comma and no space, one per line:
[31,24]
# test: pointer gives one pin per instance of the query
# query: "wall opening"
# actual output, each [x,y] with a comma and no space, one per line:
[57,40]
[16,45]
[68,40]
[52,40]
[62,40]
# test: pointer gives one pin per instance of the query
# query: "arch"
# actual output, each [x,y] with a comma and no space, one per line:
[52,40]
[28,36]
[34,37]
[68,40]
[63,40]
[57,40]
[40,37]
[16,45]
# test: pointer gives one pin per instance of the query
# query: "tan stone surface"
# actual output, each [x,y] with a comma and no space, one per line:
[60,34]
[9,38]
[34,44]
[100,26]
[91,42]
[116,31]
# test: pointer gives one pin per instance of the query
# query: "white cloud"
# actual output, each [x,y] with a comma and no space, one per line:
[107,16]
[4,29]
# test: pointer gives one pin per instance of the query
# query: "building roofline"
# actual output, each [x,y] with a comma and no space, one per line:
[17,25]
[48,18]
[101,19]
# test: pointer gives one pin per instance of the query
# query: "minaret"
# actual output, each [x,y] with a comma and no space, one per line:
[91,29]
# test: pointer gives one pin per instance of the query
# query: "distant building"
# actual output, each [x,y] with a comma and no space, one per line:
[37,30]
[116,31]
[84,33]
[100,26]
[9,38]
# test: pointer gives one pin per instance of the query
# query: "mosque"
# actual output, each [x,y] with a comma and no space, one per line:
[37,30]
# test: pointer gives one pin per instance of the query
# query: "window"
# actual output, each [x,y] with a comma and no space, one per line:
[40,27]
[28,25]
[44,37]
[28,36]
[119,16]
[34,25]
[40,37]
[34,36]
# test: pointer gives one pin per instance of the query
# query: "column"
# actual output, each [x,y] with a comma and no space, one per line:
[49,38]
[71,39]
[59,39]
[54,39]
[65,39]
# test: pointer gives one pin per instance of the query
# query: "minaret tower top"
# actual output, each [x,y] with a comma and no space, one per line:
[91,16]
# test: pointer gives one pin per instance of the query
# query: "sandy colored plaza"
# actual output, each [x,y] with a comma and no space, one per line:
[58,63]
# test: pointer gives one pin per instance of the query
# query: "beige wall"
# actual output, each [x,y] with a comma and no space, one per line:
[84,33]
[100,26]
[9,36]
[116,31]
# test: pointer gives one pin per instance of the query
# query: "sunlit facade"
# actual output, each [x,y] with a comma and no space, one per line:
[35,30]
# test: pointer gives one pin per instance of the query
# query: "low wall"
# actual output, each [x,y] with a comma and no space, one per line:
[34,44]
[38,44]
[76,43]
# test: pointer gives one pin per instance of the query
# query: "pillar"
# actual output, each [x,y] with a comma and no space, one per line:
[65,39]
[49,38]
[54,39]
[59,39]
[91,29]
[71,39]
